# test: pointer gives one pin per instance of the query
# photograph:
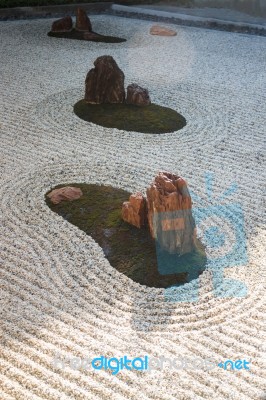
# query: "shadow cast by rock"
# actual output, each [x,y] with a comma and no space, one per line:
[106,103]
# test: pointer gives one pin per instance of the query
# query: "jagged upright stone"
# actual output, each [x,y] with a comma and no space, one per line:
[62,25]
[137,95]
[170,214]
[83,22]
[134,211]
[105,82]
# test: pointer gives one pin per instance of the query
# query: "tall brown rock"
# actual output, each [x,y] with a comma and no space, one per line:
[169,213]
[105,82]
[83,22]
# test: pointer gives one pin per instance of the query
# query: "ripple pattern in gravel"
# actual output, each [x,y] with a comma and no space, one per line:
[59,295]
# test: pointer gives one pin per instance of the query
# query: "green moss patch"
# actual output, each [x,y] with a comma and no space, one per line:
[74,34]
[130,250]
[128,117]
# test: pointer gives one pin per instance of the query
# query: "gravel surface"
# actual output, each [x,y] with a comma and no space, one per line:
[224,14]
[59,295]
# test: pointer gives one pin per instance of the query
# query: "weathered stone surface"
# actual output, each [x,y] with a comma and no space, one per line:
[169,213]
[137,95]
[162,31]
[66,193]
[105,82]
[62,25]
[83,22]
[134,211]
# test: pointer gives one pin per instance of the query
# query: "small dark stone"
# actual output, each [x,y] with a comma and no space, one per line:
[62,25]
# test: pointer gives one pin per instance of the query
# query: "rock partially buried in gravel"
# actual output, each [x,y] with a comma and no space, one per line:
[62,25]
[162,31]
[83,22]
[137,95]
[134,210]
[67,193]
[105,82]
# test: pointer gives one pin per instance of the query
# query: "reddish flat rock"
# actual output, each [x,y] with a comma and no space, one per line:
[134,210]
[66,193]
[162,31]
[62,25]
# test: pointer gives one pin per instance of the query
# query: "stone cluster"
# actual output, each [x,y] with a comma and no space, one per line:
[167,210]
[105,84]
[65,24]
[134,211]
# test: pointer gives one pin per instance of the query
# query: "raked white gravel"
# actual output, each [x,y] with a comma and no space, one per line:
[59,295]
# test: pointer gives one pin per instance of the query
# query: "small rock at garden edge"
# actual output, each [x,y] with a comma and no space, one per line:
[162,31]
[62,25]
[137,95]
[66,193]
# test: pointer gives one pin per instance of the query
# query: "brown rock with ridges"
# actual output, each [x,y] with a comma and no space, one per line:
[66,193]
[134,211]
[137,95]
[170,213]
[62,25]
[105,82]
[83,22]
[91,36]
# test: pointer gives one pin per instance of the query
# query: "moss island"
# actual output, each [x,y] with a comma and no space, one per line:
[130,250]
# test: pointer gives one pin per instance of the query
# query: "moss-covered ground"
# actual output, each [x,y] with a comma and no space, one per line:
[130,250]
[128,117]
